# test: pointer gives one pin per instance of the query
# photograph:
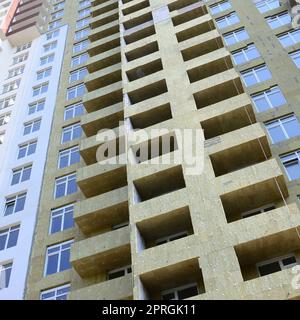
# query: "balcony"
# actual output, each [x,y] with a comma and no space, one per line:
[251,188]
[103,97]
[239,149]
[107,118]
[97,148]
[226,116]
[116,289]
[104,211]
[97,179]
[158,281]
[103,77]
[101,253]
[265,256]
[104,60]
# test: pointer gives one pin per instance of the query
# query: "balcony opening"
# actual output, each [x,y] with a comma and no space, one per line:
[166,227]
[156,185]
[136,7]
[104,33]
[133,36]
[138,21]
[151,117]
[193,31]
[201,49]
[104,46]
[154,148]
[103,79]
[240,156]
[144,70]
[177,5]
[268,255]
[218,93]
[236,204]
[114,16]
[227,122]
[96,101]
[101,63]
[210,69]
[174,282]
[142,51]
[197,10]
[100,120]
[101,179]
[148,92]
[104,9]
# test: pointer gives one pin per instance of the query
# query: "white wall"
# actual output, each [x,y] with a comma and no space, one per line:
[9,150]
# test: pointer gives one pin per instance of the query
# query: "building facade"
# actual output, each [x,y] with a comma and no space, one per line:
[130,75]
[28,83]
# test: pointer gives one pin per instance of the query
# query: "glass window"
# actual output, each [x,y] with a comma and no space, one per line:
[62,219]
[59,293]
[268,99]
[65,186]
[14,204]
[68,157]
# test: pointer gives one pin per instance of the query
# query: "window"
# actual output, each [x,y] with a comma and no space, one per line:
[171,238]
[84,3]
[14,204]
[20,58]
[2,135]
[27,149]
[84,12]
[256,75]
[5,273]
[23,47]
[36,107]
[279,20]
[77,75]
[296,58]
[58,258]
[227,20]
[268,99]
[16,71]
[235,36]
[68,157]
[50,46]
[245,55]
[75,92]
[52,35]
[71,132]
[219,7]
[290,38]
[32,126]
[257,211]
[80,46]
[78,60]
[21,175]
[65,186]
[4,119]
[40,89]
[59,293]
[43,74]
[73,111]
[117,273]
[283,128]
[7,102]
[180,293]
[82,23]
[62,219]
[266,5]
[47,59]
[14,85]
[277,264]
[54,24]
[9,237]
[291,163]
[81,34]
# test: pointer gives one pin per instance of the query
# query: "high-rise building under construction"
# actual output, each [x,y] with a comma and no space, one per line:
[81,76]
